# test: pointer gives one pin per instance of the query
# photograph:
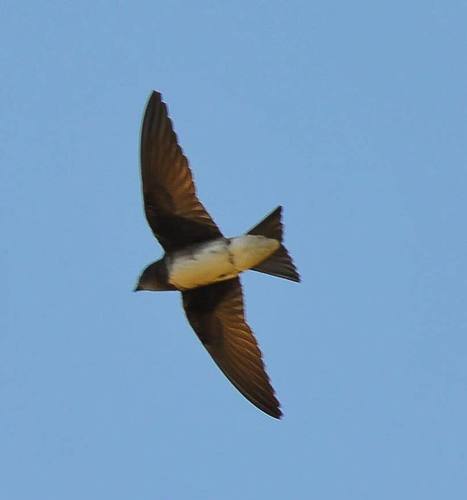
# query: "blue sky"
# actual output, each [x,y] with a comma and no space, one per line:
[353,116]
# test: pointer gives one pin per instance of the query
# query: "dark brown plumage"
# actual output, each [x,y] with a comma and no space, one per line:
[174,213]
[217,316]
[179,220]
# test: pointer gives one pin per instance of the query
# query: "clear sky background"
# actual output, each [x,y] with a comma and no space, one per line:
[353,116]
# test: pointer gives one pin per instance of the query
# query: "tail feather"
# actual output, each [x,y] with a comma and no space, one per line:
[280,263]
[270,226]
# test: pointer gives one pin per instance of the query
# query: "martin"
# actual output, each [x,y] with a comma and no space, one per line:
[204,265]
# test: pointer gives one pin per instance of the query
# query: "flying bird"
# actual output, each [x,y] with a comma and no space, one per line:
[203,264]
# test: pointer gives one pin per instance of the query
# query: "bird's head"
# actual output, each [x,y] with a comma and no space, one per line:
[154,278]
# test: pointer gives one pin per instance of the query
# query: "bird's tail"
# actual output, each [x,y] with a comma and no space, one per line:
[279,263]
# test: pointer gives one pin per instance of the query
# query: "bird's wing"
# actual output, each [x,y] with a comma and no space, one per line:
[176,216]
[216,314]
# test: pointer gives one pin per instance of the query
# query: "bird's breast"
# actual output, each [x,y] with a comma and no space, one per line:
[201,265]
[218,260]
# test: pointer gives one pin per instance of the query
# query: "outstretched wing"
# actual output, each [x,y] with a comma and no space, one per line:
[174,213]
[216,314]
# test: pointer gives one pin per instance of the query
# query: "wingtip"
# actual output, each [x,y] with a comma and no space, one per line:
[271,407]
[154,97]
[277,414]
[270,410]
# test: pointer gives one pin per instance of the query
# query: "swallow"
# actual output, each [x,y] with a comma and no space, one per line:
[203,264]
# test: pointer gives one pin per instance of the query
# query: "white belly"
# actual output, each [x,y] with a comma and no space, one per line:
[204,264]
[218,260]
[250,249]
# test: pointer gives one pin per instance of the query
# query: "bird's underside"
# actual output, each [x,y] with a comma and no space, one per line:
[217,260]
[179,221]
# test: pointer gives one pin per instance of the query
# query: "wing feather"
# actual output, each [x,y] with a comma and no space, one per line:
[216,313]
[173,211]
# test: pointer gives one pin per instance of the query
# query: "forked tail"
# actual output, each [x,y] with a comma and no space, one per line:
[279,263]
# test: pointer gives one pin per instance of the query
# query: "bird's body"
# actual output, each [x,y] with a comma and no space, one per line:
[217,260]
[204,265]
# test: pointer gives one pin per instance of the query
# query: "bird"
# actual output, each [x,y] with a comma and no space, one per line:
[204,265]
